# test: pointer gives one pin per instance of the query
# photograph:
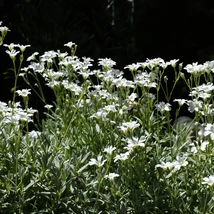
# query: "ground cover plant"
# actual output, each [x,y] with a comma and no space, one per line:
[105,147]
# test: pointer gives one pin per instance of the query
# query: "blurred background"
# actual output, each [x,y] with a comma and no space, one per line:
[126,31]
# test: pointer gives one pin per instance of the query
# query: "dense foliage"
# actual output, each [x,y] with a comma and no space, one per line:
[106,146]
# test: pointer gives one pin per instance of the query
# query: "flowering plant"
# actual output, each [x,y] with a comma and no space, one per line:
[105,146]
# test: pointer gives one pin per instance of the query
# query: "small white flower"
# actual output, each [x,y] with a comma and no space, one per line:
[70,44]
[135,142]
[48,106]
[173,62]
[134,66]
[122,157]
[208,180]
[109,150]
[23,92]
[165,165]
[34,134]
[11,46]
[111,176]
[4,30]
[179,162]
[194,68]
[209,130]
[181,102]
[129,126]
[98,162]
[152,63]
[194,105]
[12,53]
[22,47]
[106,62]
[33,56]
[162,107]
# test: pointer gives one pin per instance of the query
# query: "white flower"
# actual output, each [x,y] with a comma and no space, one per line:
[106,62]
[165,165]
[209,130]
[194,105]
[34,134]
[129,126]
[154,62]
[181,102]
[4,31]
[175,165]
[12,53]
[11,46]
[162,107]
[109,150]
[194,68]
[134,66]
[22,47]
[98,162]
[111,176]
[208,180]
[53,83]
[70,44]
[33,56]
[173,62]
[23,92]
[122,157]
[179,162]
[48,106]
[100,114]
[48,56]
[135,142]
[110,108]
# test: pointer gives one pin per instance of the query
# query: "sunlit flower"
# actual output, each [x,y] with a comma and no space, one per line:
[162,107]
[181,102]
[100,114]
[209,130]
[12,53]
[109,150]
[23,92]
[98,162]
[175,165]
[194,68]
[72,87]
[106,62]
[33,56]
[48,56]
[194,105]
[111,176]
[22,47]
[48,106]
[154,62]
[173,62]
[70,44]
[179,162]
[208,180]
[135,142]
[129,126]
[11,46]
[53,83]
[199,145]
[122,157]
[34,134]
[4,30]
[165,165]
[134,66]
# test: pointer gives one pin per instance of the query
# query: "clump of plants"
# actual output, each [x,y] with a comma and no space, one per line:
[103,146]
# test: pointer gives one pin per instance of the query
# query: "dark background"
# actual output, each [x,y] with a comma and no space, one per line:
[123,30]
